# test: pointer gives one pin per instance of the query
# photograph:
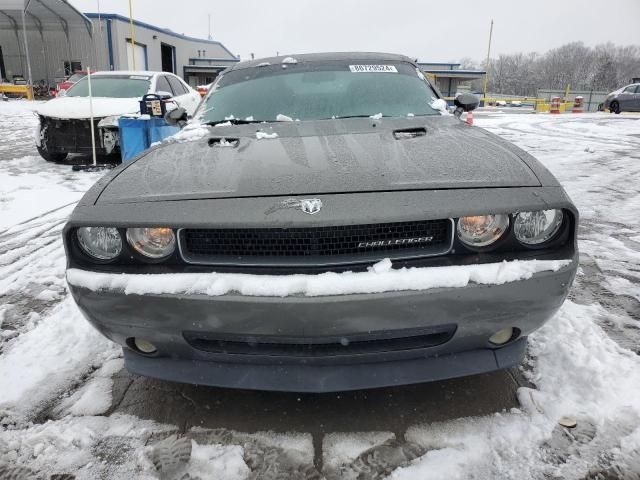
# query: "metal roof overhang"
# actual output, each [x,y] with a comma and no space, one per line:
[41,16]
[466,74]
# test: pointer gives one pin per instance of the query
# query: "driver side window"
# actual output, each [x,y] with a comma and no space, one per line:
[162,85]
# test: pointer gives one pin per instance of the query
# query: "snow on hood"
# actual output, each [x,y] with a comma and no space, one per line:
[78,107]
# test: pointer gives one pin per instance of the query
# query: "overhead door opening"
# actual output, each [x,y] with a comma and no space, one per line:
[167,54]
[140,52]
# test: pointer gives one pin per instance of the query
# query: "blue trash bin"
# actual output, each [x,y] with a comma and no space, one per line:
[159,129]
[138,133]
[133,137]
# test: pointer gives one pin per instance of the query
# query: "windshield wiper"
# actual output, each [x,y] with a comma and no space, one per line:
[236,121]
[340,117]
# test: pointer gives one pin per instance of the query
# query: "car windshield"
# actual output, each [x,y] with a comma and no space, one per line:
[111,86]
[319,90]
[76,76]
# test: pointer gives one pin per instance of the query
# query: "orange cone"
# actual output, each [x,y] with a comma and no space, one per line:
[469,118]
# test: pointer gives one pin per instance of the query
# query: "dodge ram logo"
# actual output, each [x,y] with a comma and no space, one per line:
[307,205]
[311,205]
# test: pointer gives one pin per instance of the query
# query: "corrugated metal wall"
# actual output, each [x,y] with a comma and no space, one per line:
[50,51]
[48,55]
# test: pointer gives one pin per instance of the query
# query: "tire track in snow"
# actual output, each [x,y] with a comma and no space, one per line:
[604,185]
[32,267]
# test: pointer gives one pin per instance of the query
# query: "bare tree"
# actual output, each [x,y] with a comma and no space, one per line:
[604,67]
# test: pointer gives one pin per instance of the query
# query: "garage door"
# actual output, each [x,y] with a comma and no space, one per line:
[141,56]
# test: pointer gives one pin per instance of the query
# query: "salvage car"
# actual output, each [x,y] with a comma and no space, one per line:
[625,99]
[64,122]
[66,84]
[323,223]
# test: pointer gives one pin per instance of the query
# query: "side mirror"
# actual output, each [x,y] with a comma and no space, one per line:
[164,95]
[465,102]
[177,116]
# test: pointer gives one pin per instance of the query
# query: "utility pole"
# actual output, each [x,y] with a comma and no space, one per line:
[486,65]
[133,41]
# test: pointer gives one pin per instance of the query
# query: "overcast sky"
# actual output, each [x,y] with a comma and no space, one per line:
[413,27]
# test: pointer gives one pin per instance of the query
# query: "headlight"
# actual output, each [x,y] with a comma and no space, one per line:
[156,242]
[102,243]
[482,230]
[534,228]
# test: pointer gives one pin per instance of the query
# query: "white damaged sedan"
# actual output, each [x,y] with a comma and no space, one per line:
[65,127]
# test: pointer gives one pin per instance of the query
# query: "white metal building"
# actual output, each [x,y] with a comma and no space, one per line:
[49,39]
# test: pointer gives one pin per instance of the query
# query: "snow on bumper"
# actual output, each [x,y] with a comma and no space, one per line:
[395,326]
[379,279]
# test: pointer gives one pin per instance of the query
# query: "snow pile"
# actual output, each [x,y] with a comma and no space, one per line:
[283,118]
[579,371]
[191,132]
[87,447]
[95,396]
[78,107]
[440,105]
[343,448]
[226,461]
[380,278]
[224,143]
[47,360]
[40,187]
[264,135]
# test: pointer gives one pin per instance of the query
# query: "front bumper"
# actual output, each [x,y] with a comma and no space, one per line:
[179,326]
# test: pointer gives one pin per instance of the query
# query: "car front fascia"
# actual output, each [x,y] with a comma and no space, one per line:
[477,310]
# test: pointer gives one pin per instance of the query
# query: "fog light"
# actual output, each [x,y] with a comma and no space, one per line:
[144,346]
[501,337]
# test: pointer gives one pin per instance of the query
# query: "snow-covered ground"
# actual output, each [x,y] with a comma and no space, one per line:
[57,375]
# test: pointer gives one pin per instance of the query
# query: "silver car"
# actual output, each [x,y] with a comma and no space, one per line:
[625,99]
[323,224]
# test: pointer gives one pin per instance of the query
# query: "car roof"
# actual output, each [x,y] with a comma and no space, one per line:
[326,56]
[127,72]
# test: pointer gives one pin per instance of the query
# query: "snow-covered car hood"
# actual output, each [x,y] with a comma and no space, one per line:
[78,107]
[329,156]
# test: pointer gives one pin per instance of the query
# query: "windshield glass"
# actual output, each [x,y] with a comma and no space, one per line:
[319,90]
[76,76]
[111,86]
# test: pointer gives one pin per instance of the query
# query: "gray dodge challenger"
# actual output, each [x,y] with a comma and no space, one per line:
[323,223]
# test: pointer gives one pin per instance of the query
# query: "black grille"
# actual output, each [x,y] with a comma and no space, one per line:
[383,342]
[425,237]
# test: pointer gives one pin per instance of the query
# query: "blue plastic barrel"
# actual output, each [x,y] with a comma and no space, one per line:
[159,130]
[133,137]
[137,134]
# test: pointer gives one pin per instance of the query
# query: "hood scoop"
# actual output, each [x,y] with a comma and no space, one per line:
[224,142]
[409,133]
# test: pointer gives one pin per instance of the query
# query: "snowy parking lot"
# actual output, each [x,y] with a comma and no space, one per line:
[68,407]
